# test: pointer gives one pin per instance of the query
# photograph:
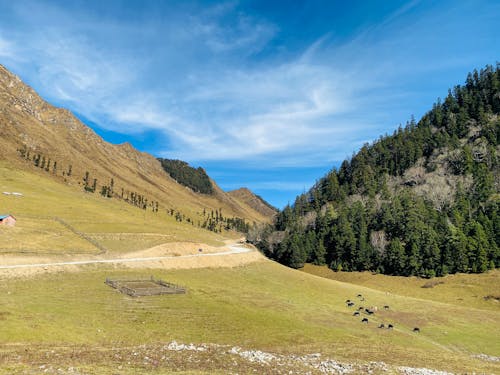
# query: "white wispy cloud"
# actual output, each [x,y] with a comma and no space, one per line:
[192,78]
[7,49]
[214,108]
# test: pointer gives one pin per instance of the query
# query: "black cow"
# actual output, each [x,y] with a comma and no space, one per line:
[390,326]
[356,313]
[350,304]
[360,308]
[364,320]
[386,307]
[369,312]
[416,330]
[360,296]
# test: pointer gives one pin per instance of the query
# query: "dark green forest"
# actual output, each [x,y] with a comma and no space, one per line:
[423,201]
[196,179]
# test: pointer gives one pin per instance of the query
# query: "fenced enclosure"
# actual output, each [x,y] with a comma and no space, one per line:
[145,287]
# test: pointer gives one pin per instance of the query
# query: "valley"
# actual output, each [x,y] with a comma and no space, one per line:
[87,211]
[246,313]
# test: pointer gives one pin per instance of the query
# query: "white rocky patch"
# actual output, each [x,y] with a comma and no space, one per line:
[305,364]
[189,347]
[486,357]
[421,371]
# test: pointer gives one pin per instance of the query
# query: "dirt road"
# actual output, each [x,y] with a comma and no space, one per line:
[233,249]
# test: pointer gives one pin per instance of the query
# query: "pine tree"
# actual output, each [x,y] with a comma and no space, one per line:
[395,258]
[86,180]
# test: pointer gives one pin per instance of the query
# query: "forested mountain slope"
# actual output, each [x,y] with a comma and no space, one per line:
[194,178]
[423,201]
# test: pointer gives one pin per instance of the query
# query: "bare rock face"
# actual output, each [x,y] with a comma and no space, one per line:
[15,95]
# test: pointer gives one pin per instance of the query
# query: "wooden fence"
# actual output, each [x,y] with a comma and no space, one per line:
[158,287]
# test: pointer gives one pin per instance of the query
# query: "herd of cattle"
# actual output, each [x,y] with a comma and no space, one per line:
[370,311]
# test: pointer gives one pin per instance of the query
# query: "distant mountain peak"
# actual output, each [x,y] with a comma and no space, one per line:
[254,201]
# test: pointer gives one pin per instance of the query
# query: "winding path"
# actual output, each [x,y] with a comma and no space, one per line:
[233,249]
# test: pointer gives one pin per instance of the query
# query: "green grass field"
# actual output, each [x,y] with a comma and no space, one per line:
[480,291]
[73,320]
[262,306]
[42,236]
[117,226]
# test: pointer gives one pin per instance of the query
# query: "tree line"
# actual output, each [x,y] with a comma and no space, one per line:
[357,218]
[213,220]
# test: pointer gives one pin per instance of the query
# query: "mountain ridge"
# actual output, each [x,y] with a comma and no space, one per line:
[253,200]
[32,126]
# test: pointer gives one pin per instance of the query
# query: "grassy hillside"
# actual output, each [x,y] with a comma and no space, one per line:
[114,225]
[50,141]
[476,291]
[262,306]
[69,319]
[254,201]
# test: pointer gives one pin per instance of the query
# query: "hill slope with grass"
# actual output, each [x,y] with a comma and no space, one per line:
[54,219]
[254,201]
[50,141]
[244,314]
[424,201]
[262,317]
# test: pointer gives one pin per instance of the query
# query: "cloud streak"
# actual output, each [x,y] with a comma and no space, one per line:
[218,83]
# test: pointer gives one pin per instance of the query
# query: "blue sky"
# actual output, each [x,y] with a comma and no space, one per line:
[264,94]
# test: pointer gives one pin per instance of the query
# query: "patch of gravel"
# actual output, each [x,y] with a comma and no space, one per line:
[421,371]
[486,357]
[253,355]
[190,347]
[305,364]
[211,358]
[312,361]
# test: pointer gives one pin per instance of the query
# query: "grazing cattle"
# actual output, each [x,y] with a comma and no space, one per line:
[360,308]
[356,313]
[416,330]
[390,326]
[381,325]
[369,312]
[364,320]
[360,296]
[347,300]
[386,307]
[350,304]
